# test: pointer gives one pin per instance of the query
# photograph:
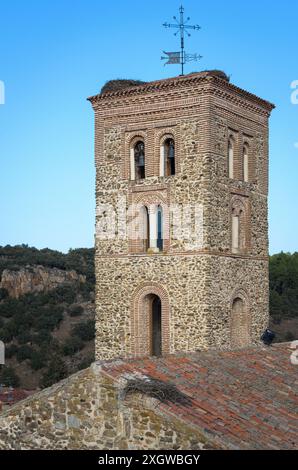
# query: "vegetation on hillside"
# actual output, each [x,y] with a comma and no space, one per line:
[283,269]
[30,325]
[81,259]
[51,334]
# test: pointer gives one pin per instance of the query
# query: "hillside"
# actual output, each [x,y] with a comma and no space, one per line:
[47,311]
[46,314]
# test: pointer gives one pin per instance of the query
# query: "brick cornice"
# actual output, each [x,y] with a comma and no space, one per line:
[214,84]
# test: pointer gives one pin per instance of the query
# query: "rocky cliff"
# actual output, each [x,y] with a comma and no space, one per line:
[36,279]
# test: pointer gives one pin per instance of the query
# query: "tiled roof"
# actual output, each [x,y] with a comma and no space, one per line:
[242,399]
[10,397]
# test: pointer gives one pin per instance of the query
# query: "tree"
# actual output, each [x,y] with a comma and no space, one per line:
[8,377]
[56,371]
[38,360]
[24,352]
[75,310]
[72,345]
[85,330]
[3,294]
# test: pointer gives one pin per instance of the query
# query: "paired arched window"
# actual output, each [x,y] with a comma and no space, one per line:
[245,162]
[151,227]
[239,228]
[167,158]
[231,147]
[167,165]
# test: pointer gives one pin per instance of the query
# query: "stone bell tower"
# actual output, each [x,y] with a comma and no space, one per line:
[181,227]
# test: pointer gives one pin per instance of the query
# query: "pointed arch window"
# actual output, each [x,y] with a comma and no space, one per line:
[231,157]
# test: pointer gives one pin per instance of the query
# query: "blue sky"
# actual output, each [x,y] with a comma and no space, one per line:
[53,54]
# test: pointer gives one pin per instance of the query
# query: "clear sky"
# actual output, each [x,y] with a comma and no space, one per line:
[55,53]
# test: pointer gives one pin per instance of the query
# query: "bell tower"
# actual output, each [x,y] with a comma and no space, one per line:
[181,216]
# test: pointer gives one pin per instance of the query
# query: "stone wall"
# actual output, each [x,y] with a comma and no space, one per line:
[87,411]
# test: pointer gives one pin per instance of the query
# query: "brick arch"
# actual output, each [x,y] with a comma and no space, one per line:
[240,319]
[130,139]
[140,321]
[160,137]
[135,138]
[149,199]
[240,206]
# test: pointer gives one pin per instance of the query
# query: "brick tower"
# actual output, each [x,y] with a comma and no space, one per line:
[181,227]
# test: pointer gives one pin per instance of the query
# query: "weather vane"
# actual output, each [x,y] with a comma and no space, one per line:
[180,57]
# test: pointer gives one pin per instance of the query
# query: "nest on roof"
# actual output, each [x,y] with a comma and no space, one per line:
[120,84]
[219,74]
[165,392]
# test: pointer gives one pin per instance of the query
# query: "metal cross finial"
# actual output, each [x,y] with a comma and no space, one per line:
[183,27]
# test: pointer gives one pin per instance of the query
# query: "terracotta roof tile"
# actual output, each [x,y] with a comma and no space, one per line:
[243,399]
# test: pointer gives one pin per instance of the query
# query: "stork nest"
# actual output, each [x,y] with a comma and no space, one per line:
[165,392]
[120,84]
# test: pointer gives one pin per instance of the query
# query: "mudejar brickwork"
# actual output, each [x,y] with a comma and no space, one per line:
[185,142]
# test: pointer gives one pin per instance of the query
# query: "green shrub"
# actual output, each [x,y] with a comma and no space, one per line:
[38,360]
[24,352]
[289,336]
[85,330]
[66,293]
[24,337]
[43,338]
[56,371]
[86,362]
[50,318]
[8,377]
[72,345]
[11,351]
[5,335]
[75,310]
[3,294]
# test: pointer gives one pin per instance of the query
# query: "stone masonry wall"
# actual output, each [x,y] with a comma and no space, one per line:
[86,411]
[198,283]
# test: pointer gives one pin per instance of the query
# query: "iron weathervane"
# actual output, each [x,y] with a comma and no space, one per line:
[183,27]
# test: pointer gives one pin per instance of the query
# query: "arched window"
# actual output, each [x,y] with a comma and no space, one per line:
[159,228]
[169,146]
[144,227]
[156,331]
[231,157]
[245,162]
[235,232]
[240,336]
[239,227]
[139,160]
[167,158]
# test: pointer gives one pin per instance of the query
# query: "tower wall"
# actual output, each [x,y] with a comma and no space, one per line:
[196,282]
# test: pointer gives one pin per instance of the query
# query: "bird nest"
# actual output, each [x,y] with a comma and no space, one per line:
[165,392]
[120,84]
